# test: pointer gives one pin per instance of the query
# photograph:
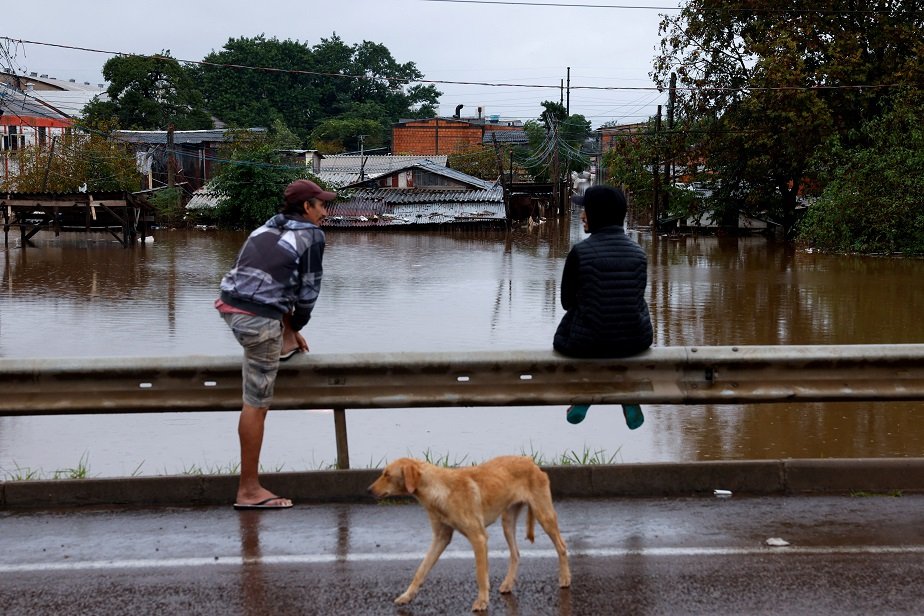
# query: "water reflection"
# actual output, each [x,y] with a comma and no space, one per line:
[438,291]
[255,597]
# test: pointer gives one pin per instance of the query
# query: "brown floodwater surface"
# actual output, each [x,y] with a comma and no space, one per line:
[85,296]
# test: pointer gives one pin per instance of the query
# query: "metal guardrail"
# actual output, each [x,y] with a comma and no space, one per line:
[661,375]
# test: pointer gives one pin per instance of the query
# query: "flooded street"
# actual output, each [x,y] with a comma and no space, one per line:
[445,291]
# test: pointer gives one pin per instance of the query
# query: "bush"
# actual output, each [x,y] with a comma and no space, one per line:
[872,202]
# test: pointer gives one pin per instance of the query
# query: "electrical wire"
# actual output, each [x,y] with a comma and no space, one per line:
[748,10]
[405,81]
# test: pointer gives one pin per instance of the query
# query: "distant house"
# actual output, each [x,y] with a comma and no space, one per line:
[610,136]
[309,158]
[67,97]
[44,83]
[431,136]
[26,121]
[423,193]
[506,136]
[345,169]
[195,151]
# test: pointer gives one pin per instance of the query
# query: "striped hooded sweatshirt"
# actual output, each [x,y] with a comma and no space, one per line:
[278,270]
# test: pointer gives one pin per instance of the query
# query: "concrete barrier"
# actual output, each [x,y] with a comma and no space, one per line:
[746,477]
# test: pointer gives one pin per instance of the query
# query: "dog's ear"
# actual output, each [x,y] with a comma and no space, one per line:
[411,476]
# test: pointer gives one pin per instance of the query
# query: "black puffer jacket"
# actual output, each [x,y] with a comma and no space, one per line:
[603,294]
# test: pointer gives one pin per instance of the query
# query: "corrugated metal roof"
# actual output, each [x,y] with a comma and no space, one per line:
[203,199]
[505,136]
[419,195]
[179,137]
[446,172]
[338,178]
[333,162]
[25,104]
[343,169]
[69,102]
[359,212]
[71,85]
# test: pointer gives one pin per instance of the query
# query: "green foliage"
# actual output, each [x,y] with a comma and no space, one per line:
[80,471]
[253,177]
[315,84]
[763,78]
[872,199]
[480,162]
[168,203]
[628,165]
[339,134]
[72,160]
[149,93]
[554,138]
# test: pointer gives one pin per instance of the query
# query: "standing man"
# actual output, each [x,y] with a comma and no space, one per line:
[603,291]
[266,299]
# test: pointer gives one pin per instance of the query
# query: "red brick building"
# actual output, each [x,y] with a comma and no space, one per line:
[432,136]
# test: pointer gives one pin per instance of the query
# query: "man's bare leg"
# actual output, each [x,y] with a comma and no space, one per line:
[292,339]
[250,432]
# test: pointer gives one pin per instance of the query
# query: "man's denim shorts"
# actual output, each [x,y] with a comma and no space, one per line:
[261,338]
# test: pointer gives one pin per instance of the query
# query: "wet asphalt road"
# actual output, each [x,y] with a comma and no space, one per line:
[846,555]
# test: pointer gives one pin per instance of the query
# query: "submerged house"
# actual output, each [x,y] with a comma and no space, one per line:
[346,169]
[422,193]
[195,153]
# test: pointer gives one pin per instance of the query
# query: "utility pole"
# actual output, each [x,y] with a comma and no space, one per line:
[669,151]
[505,189]
[556,174]
[655,167]
[568,99]
[362,162]
[171,158]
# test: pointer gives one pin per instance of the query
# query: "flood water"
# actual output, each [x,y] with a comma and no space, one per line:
[85,296]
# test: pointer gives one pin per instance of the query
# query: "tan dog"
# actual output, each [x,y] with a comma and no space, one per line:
[469,500]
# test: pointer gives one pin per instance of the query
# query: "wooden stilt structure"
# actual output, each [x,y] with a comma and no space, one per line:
[120,214]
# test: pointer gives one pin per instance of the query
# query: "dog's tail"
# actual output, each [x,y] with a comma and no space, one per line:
[530,524]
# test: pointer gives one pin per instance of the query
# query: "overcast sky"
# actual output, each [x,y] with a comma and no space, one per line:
[610,45]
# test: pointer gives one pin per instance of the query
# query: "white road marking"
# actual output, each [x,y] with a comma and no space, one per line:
[321,559]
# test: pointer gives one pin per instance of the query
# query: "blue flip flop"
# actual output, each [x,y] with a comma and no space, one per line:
[577,413]
[633,415]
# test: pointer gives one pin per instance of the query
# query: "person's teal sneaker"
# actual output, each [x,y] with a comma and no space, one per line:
[633,415]
[577,413]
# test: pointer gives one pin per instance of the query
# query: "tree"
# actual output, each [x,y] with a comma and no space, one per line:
[343,134]
[628,165]
[872,198]
[75,160]
[253,177]
[480,161]
[555,138]
[304,86]
[149,93]
[771,82]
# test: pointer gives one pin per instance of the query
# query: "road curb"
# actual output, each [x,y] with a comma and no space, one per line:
[752,477]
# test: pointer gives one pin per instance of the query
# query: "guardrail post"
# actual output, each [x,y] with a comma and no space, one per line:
[340,433]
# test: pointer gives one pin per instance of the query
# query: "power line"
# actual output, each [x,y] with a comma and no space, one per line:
[560,5]
[781,11]
[466,83]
